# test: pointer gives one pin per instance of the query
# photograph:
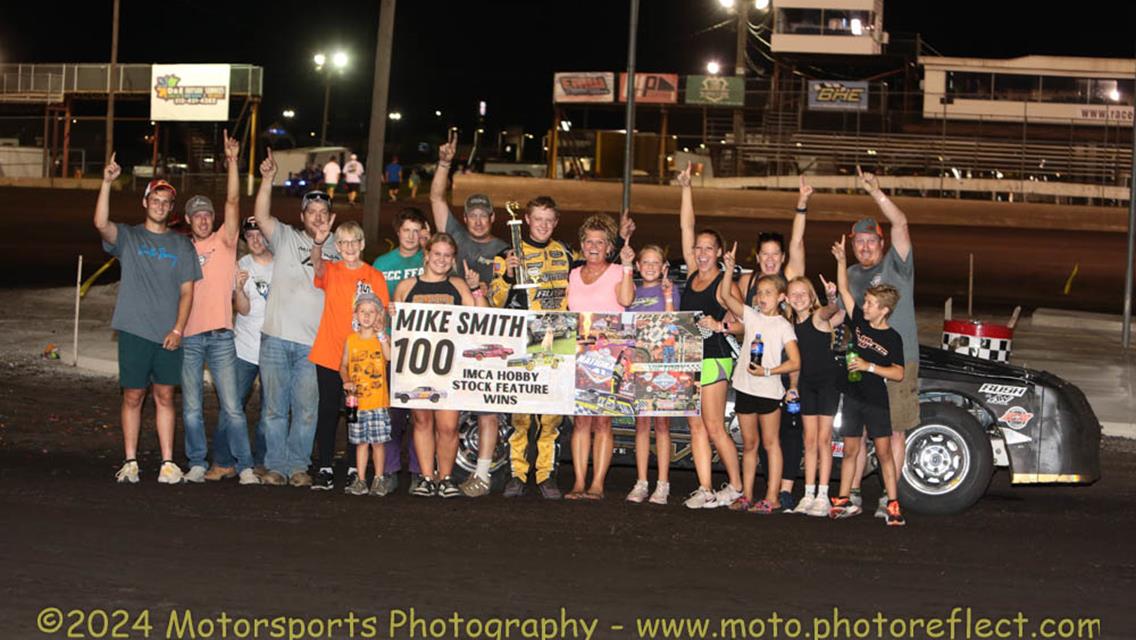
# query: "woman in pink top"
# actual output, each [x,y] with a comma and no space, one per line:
[597,286]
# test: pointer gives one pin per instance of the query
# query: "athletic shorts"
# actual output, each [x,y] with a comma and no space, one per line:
[141,362]
[819,398]
[745,403]
[716,370]
[856,415]
[352,187]
[903,397]
[374,427]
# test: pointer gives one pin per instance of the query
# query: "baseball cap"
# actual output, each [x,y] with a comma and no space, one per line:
[867,225]
[159,184]
[478,201]
[249,224]
[368,297]
[315,196]
[198,203]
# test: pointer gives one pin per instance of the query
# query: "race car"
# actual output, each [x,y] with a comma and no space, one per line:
[600,403]
[421,393]
[533,360]
[488,351]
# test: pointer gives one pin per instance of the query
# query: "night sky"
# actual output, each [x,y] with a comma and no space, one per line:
[449,54]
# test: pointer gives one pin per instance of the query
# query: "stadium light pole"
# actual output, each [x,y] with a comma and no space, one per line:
[1126,330]
[378,128]
[629,139]
[338,63]
[110,86]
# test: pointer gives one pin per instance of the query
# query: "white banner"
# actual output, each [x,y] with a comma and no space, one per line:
[189,92]
[483,359]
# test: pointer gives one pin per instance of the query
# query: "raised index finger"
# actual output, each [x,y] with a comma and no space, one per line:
[859,171]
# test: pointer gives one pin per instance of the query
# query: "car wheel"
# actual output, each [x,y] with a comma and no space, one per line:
[948,461]
[403,398]
[434,398]
[478,357]
[469,440]
[529,366]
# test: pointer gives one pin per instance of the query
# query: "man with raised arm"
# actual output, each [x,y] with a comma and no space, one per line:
[290,322]
[895,266]
[209,338]
[155,294]
[477,247]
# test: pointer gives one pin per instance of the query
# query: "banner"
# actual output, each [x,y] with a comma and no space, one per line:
[651,88]
[838,95]
[726,91]
[583,87]
[558,363]
[189,92]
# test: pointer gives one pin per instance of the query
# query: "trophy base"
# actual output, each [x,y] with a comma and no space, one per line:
[527,285]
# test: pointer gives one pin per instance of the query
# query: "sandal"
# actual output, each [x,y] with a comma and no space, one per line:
[741,504]
[574,495]
[588,495]
[764,508]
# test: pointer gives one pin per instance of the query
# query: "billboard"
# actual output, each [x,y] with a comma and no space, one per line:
[189,92]
[651,88]
[838,95]
[585,86]
[728,91]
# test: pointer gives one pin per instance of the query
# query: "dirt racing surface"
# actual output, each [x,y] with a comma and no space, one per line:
[74,543]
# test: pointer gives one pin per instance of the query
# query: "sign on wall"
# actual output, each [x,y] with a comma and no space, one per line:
[189,92]
[726,91]
[651,88]
[584,86]
[838,95]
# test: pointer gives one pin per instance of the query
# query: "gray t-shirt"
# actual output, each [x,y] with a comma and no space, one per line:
[154,266]
[901,275]
[294,303]
[479,255]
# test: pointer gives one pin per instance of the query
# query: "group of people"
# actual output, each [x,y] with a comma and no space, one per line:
[304,312]
[350,175]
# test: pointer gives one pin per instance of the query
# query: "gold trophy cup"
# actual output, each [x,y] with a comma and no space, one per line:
[522,279]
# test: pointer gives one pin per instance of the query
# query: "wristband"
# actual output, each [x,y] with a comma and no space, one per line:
[766,369]
[872,368]
[175,331]
[725,326]
[628,269]
[382,337]
[802,209]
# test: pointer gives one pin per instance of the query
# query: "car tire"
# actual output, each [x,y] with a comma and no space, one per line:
[468,438]
[435,397]
[403,398]
[948,461]
[479,357]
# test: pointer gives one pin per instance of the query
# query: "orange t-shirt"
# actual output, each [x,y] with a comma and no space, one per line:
[367,368]
[340,288]
[213,293]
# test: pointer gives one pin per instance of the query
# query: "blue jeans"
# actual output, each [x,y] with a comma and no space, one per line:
[246,375]
[289,381]
[215,349]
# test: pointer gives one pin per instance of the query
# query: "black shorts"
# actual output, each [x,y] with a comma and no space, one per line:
[857,414]
[353,187]
[818,398]
[745,403]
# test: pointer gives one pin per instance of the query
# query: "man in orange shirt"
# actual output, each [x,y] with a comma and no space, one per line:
[209,339]
[342,282]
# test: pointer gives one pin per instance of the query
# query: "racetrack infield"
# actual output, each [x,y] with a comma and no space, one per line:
[73,539]
[42,231]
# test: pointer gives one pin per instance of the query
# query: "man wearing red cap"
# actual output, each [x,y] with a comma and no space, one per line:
[155,294]
[894,266]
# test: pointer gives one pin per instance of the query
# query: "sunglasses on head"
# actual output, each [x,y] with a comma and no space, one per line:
[316,195]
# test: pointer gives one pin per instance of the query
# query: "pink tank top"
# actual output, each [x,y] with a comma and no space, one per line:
[598,296]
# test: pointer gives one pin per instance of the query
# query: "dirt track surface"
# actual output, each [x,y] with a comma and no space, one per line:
[42,232]
[73,539]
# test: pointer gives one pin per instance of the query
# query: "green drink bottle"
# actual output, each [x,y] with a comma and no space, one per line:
[853,376]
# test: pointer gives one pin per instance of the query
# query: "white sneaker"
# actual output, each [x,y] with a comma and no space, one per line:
[804,505]
[698,498]
[195,474]
[820,507]
[128,472]
[171,474]
[639,492]
[724,497]
[882,508]
[248,476]
[662,492]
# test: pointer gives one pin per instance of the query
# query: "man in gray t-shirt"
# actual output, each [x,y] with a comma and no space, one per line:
[477,246]
[155,294]
[878,264]
[290,323]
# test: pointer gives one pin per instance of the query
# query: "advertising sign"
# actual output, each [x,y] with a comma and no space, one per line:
[583,87]
[181,92]
[651,88]
[726,91]
[838,95]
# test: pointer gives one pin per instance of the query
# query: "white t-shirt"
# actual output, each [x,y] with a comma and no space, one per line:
[775,332]
[331,172]
[246,328]
[353,171]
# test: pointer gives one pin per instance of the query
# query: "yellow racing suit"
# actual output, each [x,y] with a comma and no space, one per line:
[547,264]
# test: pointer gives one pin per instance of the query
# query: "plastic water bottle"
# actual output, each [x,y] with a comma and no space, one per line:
[756,350]
[352,406]
[793,402]
[853,376]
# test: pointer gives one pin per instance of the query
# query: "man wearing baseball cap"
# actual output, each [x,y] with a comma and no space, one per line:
[879,264]
[477,247]
[155,293]
[209,339]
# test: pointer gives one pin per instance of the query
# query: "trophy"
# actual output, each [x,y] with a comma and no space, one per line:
[522,278]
